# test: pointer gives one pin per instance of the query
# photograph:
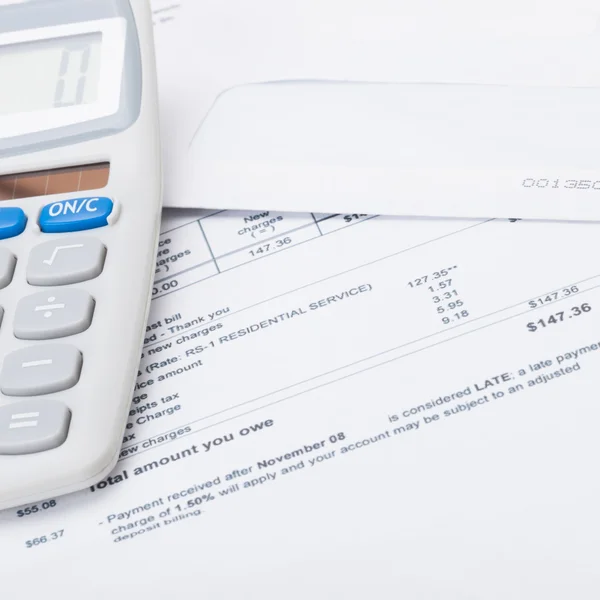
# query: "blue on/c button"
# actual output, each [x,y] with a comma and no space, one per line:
[12,222]
[77,214]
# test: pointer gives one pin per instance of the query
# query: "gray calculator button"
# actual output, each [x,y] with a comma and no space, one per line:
[40,370]
[33,426]
[53,314]
[7,267]
[66,260]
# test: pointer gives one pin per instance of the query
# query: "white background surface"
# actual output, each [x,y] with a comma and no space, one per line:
[211,47]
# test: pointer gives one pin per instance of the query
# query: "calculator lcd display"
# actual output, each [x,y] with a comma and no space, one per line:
[50,74]
[55,181]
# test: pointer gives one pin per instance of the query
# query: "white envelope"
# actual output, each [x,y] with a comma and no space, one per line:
[402,107]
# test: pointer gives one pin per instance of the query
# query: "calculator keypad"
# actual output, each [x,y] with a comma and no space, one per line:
[66,260]
[40,370]
[53,314]
[7,267]
[39,424]
[32,426]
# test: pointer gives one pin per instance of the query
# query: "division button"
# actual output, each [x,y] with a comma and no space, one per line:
[7,267]
[32,426]
[39,370]
[56,314]
[65,261]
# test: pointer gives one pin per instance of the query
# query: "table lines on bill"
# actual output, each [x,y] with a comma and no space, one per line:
[225,240]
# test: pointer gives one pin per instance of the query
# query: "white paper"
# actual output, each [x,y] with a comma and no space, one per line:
[207,48]
[433,150]
[284,453]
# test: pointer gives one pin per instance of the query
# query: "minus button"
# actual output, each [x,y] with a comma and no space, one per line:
[36,363]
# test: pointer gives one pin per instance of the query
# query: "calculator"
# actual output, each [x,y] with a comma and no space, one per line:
[80,205]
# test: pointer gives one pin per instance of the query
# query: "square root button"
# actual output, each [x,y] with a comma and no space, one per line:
[33,426]
[66,260]
[39,370]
